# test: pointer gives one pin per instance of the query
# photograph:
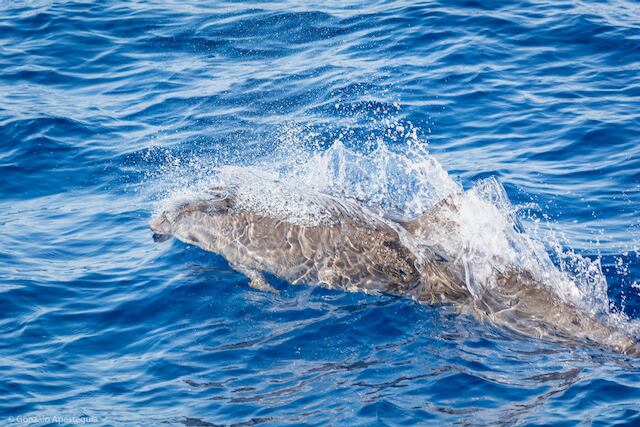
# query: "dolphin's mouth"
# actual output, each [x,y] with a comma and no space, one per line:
[159,237]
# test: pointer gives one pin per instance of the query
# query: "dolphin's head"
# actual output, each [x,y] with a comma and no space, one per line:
[178,219]
[161,226]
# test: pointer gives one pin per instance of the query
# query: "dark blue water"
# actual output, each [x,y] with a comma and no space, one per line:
[108,107]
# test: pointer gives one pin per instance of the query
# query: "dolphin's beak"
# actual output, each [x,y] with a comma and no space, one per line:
[158,238]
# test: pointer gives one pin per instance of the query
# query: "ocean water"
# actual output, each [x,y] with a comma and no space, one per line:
[109,110]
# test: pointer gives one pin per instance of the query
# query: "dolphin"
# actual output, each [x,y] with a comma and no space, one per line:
[353,247]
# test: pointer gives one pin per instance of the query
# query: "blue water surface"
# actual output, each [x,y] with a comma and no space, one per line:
[102,326]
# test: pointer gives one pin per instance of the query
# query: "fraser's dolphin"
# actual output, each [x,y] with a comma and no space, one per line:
[354,248]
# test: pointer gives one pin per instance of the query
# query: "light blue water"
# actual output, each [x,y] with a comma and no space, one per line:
[107,108]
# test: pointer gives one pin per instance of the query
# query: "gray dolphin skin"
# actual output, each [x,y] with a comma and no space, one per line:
[355,249]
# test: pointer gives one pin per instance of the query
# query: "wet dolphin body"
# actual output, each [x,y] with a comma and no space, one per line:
[354,249]
[350,248]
